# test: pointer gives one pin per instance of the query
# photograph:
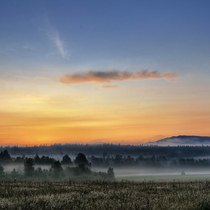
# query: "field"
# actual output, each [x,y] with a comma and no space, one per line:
[104,195]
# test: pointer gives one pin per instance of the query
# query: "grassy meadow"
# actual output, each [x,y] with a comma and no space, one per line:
[104,195]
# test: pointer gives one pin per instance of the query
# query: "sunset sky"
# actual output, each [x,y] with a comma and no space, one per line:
[103,71]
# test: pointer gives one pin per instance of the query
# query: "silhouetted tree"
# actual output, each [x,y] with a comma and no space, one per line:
[1,170]
[37,159]
[5,156]
[56,169]
[66,160]
[46,160]
[29,167]
[110,172]
[81,160]
[19,159]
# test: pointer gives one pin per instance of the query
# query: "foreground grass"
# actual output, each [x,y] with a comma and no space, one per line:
[101,195]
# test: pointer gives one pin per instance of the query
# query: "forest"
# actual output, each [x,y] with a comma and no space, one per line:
[110,149]
[90,167]
[77,170]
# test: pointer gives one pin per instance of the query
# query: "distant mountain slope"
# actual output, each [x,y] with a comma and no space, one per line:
[182,141]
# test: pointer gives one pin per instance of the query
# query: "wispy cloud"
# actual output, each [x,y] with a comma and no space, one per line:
[109,76]
[54,37]
[59,44]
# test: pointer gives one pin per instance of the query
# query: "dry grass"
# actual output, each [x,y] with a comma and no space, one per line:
[101,195]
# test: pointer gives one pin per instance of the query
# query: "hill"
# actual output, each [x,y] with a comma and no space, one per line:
[182,141]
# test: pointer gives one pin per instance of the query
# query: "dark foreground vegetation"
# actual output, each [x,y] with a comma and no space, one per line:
[104,195]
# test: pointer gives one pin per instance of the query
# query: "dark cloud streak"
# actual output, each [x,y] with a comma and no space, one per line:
[109,76]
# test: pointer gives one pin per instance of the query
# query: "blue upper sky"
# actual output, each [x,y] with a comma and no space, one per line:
[105,35]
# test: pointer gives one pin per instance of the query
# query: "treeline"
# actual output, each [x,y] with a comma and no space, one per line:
[107,161]
[111,149]
[77,170]
[143,162]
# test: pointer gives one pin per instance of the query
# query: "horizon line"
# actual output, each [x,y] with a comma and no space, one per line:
[96,143]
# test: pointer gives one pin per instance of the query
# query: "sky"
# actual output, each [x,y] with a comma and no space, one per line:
[103,71]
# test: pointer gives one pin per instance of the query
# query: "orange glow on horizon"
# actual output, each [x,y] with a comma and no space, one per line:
[50,113]
[36,130]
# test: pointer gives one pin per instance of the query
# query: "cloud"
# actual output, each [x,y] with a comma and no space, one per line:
[59,44]
[109,86]
[55,38]
[109,76]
